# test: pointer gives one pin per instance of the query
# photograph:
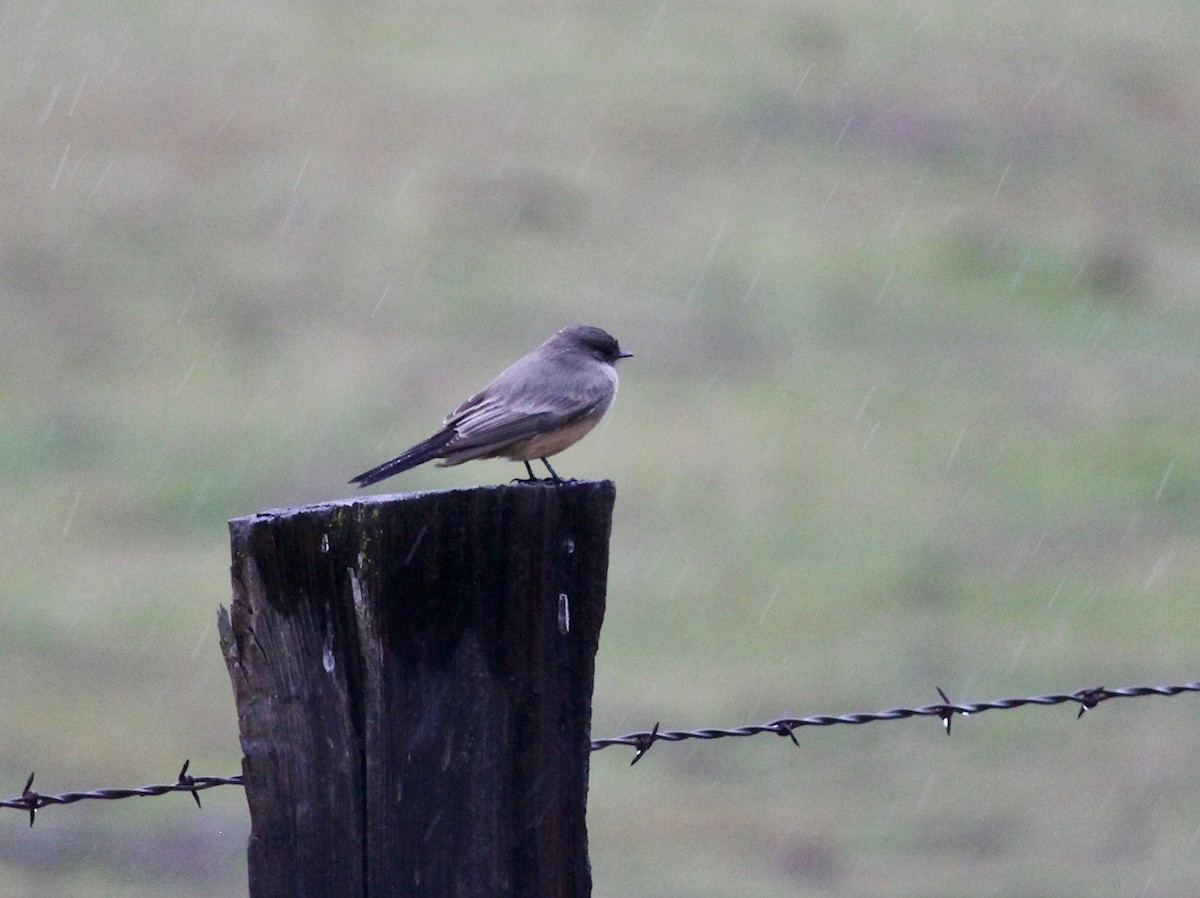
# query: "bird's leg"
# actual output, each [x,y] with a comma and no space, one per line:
[553,474]
[530,478]
[553,478]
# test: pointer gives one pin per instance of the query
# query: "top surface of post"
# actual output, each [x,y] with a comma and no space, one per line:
[575,489]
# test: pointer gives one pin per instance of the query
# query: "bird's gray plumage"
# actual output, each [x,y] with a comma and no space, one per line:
[539,405]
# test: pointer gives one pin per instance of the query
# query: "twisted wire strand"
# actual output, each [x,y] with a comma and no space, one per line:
[32,801]
[786,726]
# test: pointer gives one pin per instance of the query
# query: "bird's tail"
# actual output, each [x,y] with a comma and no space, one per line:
[417,455]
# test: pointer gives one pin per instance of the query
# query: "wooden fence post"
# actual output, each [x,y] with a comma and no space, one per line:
[413,677]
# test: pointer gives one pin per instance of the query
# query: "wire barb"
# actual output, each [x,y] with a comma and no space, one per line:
[31,798]
[189,782]
[643,741]
[1089,698]
[784,730]
[947,709]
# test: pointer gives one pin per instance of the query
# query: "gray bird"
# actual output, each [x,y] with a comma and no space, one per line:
[540,405]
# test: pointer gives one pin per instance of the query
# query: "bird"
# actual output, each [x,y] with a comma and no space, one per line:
[538,406]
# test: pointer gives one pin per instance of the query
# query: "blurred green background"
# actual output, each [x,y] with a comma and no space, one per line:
[913,292]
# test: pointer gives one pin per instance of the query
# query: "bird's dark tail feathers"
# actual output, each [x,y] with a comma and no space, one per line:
[417,455]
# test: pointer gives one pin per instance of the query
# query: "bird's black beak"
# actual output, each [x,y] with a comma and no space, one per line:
[624,355]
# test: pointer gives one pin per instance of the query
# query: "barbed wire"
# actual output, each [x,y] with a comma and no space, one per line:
[787,726]
[32,801]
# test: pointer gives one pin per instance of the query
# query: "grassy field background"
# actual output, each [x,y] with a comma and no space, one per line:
[913,292]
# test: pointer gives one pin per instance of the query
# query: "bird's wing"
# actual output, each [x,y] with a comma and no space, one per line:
[506,412]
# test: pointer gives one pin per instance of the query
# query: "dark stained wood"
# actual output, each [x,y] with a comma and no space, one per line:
[414,720]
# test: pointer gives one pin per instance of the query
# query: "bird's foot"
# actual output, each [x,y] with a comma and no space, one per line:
[553,479]
[544,481]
